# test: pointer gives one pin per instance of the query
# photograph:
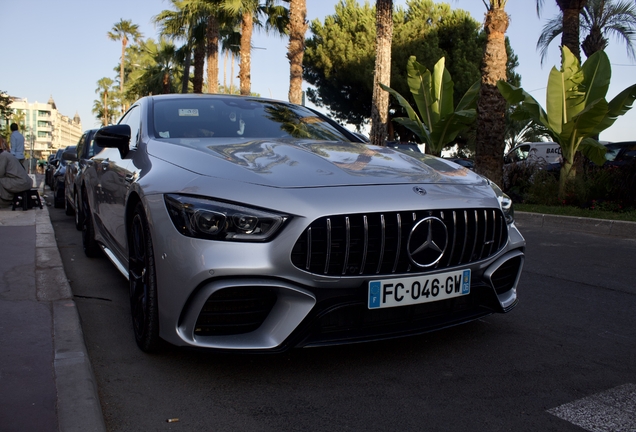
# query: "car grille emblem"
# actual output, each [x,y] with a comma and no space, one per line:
[427,242]
[419,190]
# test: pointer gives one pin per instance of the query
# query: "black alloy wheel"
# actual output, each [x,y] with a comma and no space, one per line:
[79,212]
[58,195]
[143,283]
[91,247]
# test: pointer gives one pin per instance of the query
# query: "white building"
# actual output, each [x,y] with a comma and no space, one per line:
[44,128]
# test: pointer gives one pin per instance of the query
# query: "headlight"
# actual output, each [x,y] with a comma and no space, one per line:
[216,220]
[505,202]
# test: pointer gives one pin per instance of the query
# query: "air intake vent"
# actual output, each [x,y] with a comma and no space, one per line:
[235,310]
[503,279]
[377,243]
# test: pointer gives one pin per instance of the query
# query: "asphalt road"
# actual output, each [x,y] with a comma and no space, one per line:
[571,340]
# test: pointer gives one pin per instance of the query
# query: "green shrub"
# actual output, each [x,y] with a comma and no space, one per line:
[595,188]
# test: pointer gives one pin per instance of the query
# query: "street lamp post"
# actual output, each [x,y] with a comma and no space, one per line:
[31,139]
[32,154]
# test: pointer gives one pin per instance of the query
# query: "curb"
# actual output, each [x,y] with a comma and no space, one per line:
[613,228]
[78,406]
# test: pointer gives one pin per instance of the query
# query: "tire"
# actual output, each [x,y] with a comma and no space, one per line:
[79,212]
[68,209]
[57,201]
[143,283]
[91,247]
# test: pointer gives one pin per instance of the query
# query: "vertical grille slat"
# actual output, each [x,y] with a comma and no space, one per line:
[347,245]
[399,242]
[461,256]
[485,239]
[308,266]
[377,243]
[328,258]
[494,232]
[474,236]
[365,222]
[454,231]
[382,243]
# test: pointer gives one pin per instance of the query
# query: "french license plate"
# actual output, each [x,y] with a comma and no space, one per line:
[387,293]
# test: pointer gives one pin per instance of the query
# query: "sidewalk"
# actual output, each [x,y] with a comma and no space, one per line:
[46,379]
[622,229]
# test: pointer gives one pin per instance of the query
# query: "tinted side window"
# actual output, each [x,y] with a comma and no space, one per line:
[132,119]
[93,148]
[80,145]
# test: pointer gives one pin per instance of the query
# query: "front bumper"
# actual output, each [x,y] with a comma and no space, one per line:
[296,308]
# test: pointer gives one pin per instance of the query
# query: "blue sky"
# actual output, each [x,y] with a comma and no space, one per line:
[60,48]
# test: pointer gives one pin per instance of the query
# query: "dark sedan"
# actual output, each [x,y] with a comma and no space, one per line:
[79,160]
[57,184]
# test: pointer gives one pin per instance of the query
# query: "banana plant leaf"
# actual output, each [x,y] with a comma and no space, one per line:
[413,122]
[597,73]
[529,109]
[593,150]
[618,106]
[438,123]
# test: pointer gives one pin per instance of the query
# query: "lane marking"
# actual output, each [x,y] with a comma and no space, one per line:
[608,411]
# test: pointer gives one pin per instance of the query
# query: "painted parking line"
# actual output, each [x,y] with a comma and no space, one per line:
[609,411]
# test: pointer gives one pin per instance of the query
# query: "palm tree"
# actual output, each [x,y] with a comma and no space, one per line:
[570,12]
[123,31]
[491,106]
[382,75]
[296,48]
[249,12]
[103,88]
[160,71]
[187,22]
[230,44]
[599,20]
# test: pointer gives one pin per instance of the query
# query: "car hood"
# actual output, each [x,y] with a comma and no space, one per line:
[297,163]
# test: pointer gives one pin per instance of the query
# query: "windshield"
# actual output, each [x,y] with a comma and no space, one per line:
[232,117]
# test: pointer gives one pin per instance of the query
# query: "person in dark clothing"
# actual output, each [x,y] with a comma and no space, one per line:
[13,176]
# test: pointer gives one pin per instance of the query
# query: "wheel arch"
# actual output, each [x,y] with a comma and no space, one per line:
[131,203]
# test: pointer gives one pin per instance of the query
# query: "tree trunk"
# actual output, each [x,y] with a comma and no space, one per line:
[166,82]
[594,42]
[225,71]
[232,73]
[296,48]
[571,10]
[186,70]
[124,42]
[212,37]
[245,75]
[491,106]
[105,112]
[199,62]
[382,75]
[567,174]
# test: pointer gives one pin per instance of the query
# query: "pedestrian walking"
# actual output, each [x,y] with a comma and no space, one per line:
[17,144]
[13,177]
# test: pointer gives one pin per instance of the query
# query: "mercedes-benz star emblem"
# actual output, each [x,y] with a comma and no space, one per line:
[419,190]
[427,241]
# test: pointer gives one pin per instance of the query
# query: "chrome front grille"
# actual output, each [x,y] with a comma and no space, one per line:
[376,243]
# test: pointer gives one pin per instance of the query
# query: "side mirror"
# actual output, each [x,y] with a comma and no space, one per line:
[115,136]
[70,156]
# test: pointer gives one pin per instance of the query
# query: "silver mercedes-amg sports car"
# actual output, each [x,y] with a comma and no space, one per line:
[251,224]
